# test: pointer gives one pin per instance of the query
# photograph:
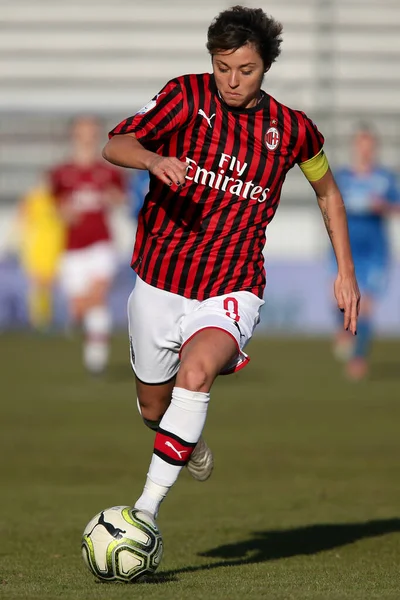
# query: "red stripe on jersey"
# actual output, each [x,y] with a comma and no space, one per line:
[178,242]
[207,238]
[197,267]
[168,221]
[313,140]
[85,189]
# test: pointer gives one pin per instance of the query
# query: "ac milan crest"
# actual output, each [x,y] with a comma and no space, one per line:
[272,138]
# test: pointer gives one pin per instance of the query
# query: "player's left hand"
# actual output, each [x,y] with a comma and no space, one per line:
[348,298]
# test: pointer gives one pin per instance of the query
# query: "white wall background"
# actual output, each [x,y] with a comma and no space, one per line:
[340,62]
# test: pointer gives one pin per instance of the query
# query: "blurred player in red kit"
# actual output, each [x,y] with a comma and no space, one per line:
[85,188]
[218,148]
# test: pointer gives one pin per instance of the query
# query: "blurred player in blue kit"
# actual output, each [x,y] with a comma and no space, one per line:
[138,186]
[371,195]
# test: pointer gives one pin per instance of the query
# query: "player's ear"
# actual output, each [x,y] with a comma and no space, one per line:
[267,68]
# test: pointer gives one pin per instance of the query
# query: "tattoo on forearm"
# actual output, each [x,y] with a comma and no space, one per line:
[327,220]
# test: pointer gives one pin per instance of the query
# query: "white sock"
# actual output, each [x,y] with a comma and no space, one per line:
[178,433]
[97,327]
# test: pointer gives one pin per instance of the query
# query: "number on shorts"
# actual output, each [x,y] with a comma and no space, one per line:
[231,306]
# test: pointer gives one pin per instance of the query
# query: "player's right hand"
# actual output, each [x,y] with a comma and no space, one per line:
[169,170]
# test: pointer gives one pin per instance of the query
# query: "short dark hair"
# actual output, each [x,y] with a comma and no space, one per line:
[239,25]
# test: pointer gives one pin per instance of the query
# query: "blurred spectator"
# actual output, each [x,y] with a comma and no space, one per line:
[85,188]
[371,195]
[41,244]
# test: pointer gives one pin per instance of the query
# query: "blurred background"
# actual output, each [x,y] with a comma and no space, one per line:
[339,64]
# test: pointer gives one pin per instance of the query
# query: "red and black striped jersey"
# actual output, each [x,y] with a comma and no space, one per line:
[207,238]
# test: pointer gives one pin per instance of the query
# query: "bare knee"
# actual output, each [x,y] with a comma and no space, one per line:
[78,308]
[153,400]
[194,377]
[152,413]
[203,358]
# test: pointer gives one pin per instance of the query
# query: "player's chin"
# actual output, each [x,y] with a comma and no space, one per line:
[234,100]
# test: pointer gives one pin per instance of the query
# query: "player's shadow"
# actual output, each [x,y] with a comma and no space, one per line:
[263,546]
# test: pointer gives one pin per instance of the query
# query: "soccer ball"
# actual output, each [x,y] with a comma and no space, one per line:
[122,544]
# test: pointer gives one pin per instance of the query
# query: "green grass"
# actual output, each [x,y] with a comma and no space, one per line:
[303,504]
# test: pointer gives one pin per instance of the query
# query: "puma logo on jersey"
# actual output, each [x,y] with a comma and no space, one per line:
[178,452]
[208,119]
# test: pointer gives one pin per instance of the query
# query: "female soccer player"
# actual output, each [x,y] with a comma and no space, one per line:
[218,148]
[42,244]
[371,196]
[85,187]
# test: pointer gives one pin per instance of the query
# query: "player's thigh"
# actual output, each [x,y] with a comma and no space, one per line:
[235,316]
[73,277]
[204,356]
[154,316]
[97,292]
[102,266]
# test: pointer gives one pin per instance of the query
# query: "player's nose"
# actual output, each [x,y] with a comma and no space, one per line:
[233,81]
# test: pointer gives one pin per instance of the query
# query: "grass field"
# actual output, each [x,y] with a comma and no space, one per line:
[304,502]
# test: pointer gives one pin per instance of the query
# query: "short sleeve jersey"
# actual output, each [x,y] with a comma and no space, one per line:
[86,188]
[207,238]
[368,230]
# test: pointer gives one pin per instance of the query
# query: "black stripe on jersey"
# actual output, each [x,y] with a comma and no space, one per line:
[169,116]
[294,133]
[276,165]
[166,194]
[169,198]
[191,216]
[273,199]
[190,83]
[147,218]
[245,235]
[259,274]
[195,221]
[165,102]
[234,151]
[249,158]
[183,208]
[125,126]
[309,141]
[171,102]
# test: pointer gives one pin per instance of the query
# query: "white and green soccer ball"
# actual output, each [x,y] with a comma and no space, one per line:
[122,544]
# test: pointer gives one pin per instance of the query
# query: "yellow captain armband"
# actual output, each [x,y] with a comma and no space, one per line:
[316,167]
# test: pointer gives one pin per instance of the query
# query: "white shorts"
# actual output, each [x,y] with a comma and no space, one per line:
[160,323]
[79,269]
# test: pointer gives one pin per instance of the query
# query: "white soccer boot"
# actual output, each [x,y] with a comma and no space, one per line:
[201,463]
